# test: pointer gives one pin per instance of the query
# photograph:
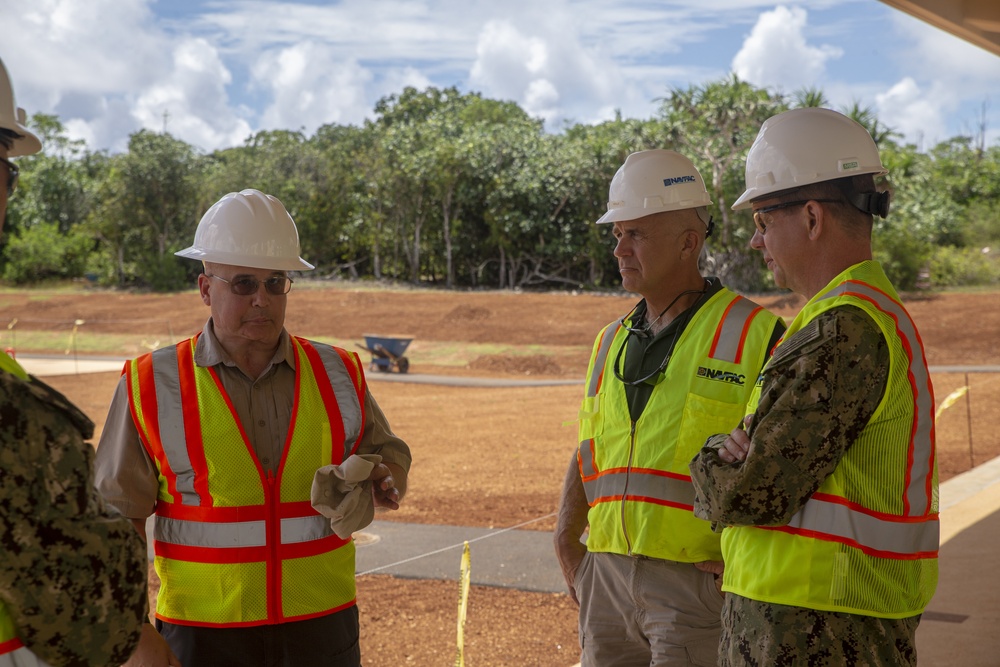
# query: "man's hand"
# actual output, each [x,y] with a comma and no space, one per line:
[384,491]
[737,445]
[152,651]
[716,567]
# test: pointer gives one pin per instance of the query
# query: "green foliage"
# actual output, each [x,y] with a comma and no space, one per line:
[964,267]
[166,273]
[903,255]
[453,188]
[42,253]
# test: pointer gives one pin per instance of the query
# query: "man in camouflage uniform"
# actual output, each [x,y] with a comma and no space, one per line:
[72,573]
[828,499]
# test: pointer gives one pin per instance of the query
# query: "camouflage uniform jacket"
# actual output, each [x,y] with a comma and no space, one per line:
[820,389]
[72,572]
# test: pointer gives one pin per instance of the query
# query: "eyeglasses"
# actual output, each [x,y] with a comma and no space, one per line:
[12,172]
[653,378]
[248,285]
[656,376]
[761,223]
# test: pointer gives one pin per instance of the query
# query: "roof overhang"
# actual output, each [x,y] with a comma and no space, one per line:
[975,21]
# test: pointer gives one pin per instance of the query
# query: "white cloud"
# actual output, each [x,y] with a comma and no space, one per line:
[191,101]
[310,88]
[777,55]
[227,68]
[916,114]
[548,72]
[963,79]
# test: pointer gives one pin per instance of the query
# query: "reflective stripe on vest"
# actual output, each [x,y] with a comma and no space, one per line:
[828,517]
[918,491]
[210,514]
[20,657]
[635,475]
[860,544]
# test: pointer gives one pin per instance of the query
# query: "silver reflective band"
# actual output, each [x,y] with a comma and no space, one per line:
[226,535]
[895,537]
[213,535]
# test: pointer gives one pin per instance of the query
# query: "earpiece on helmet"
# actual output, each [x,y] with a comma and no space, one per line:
[875,203]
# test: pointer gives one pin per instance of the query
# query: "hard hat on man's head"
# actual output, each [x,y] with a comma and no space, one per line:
[13,119]
[805,146]
[248,228]
[652,182]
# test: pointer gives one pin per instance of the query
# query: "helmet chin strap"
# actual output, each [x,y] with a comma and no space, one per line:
[875,203]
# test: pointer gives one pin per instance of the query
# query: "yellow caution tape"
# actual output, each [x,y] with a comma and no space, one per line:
[950,400]
[464,580]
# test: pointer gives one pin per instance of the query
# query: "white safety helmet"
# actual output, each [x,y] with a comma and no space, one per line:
[248,228]
[13,118]
[652,182]
[805,146]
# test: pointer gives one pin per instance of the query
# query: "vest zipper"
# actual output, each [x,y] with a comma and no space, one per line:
[628,476]
[274,539]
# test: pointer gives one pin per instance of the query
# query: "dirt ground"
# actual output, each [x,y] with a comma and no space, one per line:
[490,457]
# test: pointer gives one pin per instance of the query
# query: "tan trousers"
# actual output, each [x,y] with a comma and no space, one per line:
[637,611]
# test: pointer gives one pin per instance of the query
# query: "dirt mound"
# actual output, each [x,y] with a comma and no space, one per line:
[535,364]
[467,314]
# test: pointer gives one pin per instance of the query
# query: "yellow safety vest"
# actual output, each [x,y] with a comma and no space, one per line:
[867,541]
[636,476]
[234,546]
[9,642]
[12,651]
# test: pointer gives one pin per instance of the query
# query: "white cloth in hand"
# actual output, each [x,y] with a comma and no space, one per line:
[343,493]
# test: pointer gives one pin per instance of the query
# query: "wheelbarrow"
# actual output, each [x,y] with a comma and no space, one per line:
[387,352]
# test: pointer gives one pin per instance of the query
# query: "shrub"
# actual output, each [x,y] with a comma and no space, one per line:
[963,267]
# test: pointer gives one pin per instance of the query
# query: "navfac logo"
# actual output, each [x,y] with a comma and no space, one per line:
[667,182]
[721,376]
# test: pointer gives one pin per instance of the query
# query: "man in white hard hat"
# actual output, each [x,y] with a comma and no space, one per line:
[829,497]
[260,453]
[676,368]
[72,583]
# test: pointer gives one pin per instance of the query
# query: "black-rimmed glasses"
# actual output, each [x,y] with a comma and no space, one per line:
[761,223]
[12,173]
[248,285]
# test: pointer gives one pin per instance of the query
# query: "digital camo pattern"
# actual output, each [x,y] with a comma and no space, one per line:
[72,572]
[815,401]
[757,634]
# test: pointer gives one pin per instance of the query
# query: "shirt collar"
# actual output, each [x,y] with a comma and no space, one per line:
[209,352]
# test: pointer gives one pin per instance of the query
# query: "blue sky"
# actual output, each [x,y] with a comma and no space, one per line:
[214,72]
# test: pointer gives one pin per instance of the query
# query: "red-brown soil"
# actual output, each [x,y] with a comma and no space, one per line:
[489,456]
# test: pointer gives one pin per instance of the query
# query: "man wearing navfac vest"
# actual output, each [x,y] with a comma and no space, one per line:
[829,497]
[678,367]
[235,438]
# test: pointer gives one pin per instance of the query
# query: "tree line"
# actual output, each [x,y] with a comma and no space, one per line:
[457,190]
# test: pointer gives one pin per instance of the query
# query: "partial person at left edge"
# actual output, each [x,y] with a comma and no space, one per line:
[72,571]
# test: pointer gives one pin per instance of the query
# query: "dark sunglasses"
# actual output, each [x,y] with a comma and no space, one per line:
[761,223]
[248,285]
[12,173]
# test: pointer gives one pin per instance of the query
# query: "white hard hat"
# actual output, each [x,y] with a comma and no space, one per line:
[248,228]
[805,146]
[13,118]
[654,181]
